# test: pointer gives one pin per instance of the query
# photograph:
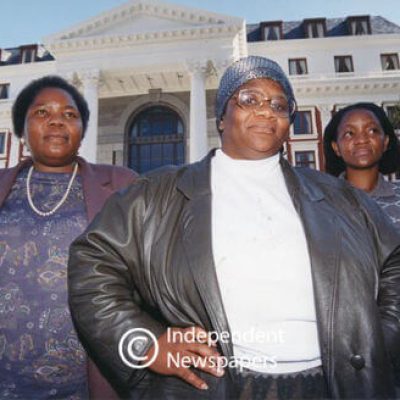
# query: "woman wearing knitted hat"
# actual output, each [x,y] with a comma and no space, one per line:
[240,276]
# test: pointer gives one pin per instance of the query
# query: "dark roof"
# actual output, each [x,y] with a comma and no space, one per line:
[290,30]
[12,55]
[334,27]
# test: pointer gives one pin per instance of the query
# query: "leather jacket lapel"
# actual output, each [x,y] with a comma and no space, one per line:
[198,247]
[323,238]
[197,242]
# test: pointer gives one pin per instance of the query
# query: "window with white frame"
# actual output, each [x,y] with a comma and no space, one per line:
[314,28]
[390,61]
[343,64]
[3,136]
[393,113]
[359,25]
[302,124]
[156,138]
[298,66]
[28,54]
[305,159]
[4,90]
[271,30]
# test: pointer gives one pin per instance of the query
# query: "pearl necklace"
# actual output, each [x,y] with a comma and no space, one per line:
[60,203]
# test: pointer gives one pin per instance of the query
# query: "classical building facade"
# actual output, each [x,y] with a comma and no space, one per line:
[149,71]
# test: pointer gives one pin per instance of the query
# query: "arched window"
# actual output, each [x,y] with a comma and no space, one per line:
[156,139]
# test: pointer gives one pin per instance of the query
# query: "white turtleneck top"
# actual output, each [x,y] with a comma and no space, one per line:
[263,266]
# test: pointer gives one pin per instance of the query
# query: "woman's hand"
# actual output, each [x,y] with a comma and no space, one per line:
[180,349]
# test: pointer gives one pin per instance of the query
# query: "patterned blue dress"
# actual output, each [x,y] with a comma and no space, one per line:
[40,355]
[387,195]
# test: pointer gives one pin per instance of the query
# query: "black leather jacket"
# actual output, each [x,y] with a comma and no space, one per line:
[146,261]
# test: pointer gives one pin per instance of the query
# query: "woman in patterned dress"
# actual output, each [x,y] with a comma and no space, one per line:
[45,202]
[360,145]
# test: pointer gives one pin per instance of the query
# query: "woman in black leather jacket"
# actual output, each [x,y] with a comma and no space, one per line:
[173,272]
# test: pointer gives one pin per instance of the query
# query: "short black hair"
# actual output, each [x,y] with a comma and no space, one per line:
[28,94]
[390,161]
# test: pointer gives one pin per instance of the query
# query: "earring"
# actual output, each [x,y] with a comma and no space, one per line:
[22,141]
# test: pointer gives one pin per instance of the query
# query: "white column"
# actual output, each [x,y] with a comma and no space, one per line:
[198,142]
[90,81]
[326,114]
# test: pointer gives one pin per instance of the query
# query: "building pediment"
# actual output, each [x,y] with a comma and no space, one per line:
[145,20]
[140,24]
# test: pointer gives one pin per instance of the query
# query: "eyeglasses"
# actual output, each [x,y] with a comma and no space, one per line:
[252,99]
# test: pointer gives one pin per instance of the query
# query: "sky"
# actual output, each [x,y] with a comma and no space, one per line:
[29,21]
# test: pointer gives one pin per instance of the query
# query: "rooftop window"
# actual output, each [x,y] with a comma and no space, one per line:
[28,54]
[271,30]
[314,28]
[359,25]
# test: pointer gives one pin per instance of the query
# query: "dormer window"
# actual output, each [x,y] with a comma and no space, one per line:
[4,56]
[359,25]
[271,30]
[314,28]
[28,54]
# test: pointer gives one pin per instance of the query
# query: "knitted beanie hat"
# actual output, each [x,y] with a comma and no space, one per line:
[244,70]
